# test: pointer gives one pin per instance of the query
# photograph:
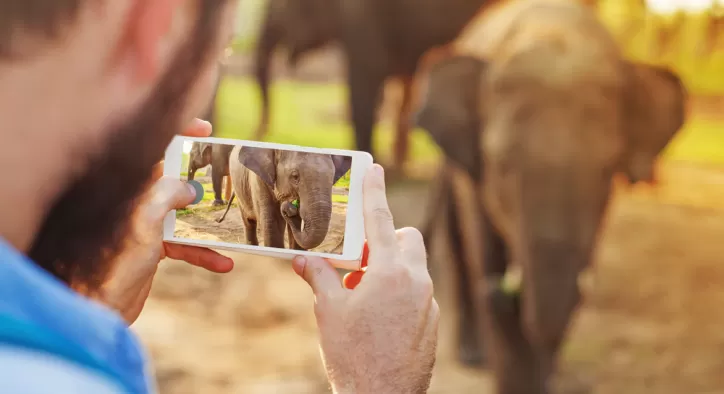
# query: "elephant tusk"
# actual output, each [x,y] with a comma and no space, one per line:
[511,283]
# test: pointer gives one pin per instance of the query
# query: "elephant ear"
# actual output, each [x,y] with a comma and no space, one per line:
[261,162]
[342,164]
[655,110]
[450,113]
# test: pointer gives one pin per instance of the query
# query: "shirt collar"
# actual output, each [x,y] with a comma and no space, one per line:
[29,293]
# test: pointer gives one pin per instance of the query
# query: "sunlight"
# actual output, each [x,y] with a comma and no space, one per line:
[187,146]
[670,6]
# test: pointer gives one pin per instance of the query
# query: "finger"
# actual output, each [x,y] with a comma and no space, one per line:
[198,128]
[200,257]
[379,226]
[168,194]
[352,279]
[318,273]
[412,248]
[157,172]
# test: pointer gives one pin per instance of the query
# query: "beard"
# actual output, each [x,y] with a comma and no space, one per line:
[88,224]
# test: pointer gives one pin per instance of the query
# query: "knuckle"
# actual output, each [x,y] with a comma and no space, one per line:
[382,214]
[412,236]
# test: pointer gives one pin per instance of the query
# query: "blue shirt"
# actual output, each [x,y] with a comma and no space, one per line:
[28,294]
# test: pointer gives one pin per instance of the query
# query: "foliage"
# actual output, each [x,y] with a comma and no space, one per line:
[638,34]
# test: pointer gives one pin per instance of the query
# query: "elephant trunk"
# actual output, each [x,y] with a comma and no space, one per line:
[191,171]
[561,215]
[268,40]
[316,212]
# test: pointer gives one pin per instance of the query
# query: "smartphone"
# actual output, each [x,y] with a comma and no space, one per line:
[270,199]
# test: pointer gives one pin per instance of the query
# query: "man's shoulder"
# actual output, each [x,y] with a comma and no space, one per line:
[30,372]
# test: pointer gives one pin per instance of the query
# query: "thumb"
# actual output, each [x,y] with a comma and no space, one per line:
[318,273]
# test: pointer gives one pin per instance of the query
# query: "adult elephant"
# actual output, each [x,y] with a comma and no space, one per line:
[535,117]
[203,154]
[381,39]
[268,180]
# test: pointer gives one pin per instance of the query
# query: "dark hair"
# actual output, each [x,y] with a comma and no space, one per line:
[37,21]
[89,224]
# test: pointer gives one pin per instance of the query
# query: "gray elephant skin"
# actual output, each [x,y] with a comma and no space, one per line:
[217,155]
[381,39]
[266,181]
[533,129]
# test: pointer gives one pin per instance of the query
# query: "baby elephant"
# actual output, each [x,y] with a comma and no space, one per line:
[268,180]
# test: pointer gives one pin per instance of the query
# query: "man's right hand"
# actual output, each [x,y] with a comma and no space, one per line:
[381,336]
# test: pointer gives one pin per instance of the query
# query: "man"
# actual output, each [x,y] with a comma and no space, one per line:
[91,93]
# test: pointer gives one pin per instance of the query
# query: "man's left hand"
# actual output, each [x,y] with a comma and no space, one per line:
[130,283]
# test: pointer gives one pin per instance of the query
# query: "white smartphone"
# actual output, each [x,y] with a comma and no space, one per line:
[275,200]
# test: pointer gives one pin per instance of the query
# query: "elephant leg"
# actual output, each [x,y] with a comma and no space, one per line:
[273,227]
[365,88]
[402,135]
[517,368]
[470,348]
[250,232]
[217,177]
[191,174]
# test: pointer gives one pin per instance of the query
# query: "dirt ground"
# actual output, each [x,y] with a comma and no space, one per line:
[652,321]
[199,222]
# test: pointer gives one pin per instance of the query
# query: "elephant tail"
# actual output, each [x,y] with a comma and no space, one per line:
[269,37]
[228,205]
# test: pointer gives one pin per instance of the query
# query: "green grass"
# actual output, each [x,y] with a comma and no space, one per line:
[344,199]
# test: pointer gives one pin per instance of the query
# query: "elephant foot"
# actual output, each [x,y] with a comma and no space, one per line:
[218,203]
[470,352]
[471,355]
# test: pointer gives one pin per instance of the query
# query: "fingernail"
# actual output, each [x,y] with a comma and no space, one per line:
[379,170]
[197,190]
[298,265]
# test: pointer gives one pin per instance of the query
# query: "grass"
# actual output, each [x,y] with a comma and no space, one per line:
[313,115]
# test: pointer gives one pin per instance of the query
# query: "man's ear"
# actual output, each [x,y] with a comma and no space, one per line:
[147,28]
[261,162]
[451,110]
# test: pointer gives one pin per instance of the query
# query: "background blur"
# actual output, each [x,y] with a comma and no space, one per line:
[652,323]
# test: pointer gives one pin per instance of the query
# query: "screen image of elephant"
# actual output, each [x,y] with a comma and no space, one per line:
[284,198]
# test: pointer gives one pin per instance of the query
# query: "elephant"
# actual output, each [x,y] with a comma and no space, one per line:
[201,155]
[380,40]
[534,121]
[268,180]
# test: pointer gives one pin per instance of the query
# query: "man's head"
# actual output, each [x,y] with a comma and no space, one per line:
[91,93]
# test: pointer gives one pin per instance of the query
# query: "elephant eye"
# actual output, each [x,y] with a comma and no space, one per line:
[295,176]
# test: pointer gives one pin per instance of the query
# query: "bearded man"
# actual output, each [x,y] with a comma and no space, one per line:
[91,94]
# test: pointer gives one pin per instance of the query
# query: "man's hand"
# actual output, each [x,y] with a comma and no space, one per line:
[130,283]
[380,336]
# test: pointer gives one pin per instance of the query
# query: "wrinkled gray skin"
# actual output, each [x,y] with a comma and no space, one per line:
[380,40]
[201,155]
[541,148]
[264,179]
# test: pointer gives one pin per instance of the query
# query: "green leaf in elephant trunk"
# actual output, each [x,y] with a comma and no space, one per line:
[311,225]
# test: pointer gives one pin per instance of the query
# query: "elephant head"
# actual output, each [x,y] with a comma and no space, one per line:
[303,176]
[199,157]
[544,150]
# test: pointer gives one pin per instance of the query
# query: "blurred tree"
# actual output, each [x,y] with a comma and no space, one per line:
[667,34]
[712,31]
